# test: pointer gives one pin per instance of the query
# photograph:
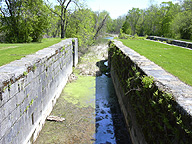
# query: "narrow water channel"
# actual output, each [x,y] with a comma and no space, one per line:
[90,108]
[110,124]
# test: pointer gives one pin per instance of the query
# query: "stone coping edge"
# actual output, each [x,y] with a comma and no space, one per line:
[181,92]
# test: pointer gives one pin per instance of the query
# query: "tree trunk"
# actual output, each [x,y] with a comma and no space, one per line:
[62,31]
[62,27]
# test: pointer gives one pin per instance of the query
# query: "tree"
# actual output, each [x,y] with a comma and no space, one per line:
[154,20]
[182,25]
[140,24]
[10,16]
[114,26]
[81,25]
[64,5]
[151,20]
[126,28]
[23,20]
[166,14]
[36,14]
[187,5]
[54,29]
[132,18]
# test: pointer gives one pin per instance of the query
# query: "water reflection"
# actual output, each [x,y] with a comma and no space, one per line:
[110,124]
[109,38]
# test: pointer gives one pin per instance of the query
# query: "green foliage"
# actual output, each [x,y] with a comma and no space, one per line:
[133,18]
[130,37]
[147,81]
[126,28]
[182,25]
[166,19]
[114,26]
[123,35]
[87,26]
[54,28]
[25,73]
[34,67]
[23,22]
[31,102]
[82,27]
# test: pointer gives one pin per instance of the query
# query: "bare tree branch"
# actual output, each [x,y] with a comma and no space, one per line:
[64,4]
[101,25]
[76,4]
[68,4]
[52,9]
[2,11]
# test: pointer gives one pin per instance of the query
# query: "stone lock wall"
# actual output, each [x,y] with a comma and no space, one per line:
[157,106]
[171,41]
[29,88]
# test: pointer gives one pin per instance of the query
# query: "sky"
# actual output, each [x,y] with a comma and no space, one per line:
[119,7]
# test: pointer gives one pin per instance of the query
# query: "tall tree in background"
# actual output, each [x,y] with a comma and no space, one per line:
[54,29]
[166,14]
[81,25]
[166,19]
[114,25]
[23,20]
[151,20]
[133,18]
[64,13]
[10,15]
[87,25]
[181,25]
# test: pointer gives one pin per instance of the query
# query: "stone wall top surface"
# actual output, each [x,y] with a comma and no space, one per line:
[29,88]
[181,92]
[14,70]
[180,43]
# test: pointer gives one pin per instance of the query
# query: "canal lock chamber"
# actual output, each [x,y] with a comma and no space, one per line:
[110,122]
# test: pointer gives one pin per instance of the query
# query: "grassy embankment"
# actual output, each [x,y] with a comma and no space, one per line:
[174,59]
[11,52]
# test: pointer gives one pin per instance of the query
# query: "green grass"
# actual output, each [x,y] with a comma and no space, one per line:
[175,60]
[11,52]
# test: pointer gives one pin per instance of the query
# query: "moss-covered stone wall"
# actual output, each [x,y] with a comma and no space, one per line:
[156,105]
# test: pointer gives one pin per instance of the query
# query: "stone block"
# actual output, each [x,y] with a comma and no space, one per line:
[24,98]
[15,115]
[5,125]
[9,106]
[10,135]
[4,96]
[13,89]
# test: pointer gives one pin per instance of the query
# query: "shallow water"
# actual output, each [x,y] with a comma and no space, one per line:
[110,124]
[92,113]
[109,38]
